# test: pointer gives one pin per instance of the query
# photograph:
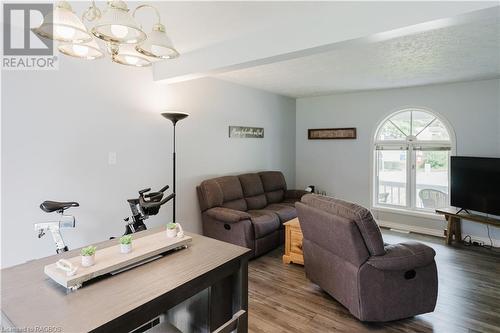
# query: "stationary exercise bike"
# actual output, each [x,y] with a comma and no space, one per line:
[65,221]
[146,205]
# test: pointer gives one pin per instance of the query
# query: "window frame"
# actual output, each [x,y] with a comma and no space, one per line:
[411,145]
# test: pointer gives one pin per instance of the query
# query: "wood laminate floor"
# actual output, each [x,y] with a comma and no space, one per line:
[281,299]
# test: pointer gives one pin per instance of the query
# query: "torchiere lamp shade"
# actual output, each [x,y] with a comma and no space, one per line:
[175,116]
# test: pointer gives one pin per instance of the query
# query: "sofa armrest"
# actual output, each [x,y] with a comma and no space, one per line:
[403,256]
[295,194]
[227,215]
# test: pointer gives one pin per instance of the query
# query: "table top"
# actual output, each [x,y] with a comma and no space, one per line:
[31,299]
[293,223]
[452,211]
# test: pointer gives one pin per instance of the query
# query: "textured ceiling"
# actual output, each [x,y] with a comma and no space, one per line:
[458,53]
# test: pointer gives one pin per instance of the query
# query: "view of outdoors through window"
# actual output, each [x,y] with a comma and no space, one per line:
[431,179]
[412,152]
[392,177]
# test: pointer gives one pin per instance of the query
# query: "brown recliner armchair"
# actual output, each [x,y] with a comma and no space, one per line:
[345,255]
[247,210]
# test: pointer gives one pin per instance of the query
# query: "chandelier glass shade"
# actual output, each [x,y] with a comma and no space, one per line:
[89,50]
[63,25]
[127,55]
[116,25]
[158,44]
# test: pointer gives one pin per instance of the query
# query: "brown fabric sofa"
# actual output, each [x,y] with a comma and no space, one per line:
[345,255]
[248,210]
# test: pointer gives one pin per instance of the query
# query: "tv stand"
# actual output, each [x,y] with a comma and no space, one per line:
[454,218]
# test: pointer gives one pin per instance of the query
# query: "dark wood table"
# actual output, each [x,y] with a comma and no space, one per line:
[454,218]
[124,302]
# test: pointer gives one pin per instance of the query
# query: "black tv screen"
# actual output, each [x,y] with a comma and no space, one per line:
[475,184]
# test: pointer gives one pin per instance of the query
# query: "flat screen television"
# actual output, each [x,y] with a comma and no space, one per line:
[475,184]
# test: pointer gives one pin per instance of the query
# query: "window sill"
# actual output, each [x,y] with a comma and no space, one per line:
[402,211]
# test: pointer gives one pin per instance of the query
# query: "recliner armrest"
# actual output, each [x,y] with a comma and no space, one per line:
[227,215]
[295,194]
[403,256]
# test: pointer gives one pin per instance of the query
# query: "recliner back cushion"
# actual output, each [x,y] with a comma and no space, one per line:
[332,232]
[209,194]
[360,215]
[274,185]
[232,193]
[222,192]
[253,191]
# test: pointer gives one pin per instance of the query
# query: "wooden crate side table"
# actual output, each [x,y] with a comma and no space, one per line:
[293,243]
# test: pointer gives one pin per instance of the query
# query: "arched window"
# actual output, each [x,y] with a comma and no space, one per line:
[412,154]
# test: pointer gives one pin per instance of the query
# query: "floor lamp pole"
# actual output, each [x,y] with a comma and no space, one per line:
[174,117]
[173,180]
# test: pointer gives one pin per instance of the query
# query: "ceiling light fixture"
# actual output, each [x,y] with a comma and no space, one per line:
[157,44]
[89,50]
[63,25]
[127,55]
[124,38]
[116,25]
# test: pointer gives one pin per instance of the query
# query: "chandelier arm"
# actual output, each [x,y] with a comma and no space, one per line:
[148,6]
[92,13]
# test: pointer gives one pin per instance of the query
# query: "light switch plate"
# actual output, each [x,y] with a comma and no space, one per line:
[112,158]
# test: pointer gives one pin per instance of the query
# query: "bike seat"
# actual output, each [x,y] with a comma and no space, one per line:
[52,206]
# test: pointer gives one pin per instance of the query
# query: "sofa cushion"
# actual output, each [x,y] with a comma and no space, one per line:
[256,202]
[274,185]
[239,204]
[230,187]
[232,193]
[289,202]
[253,191]
[275,196]
[284,212]
[209,194]
[360,215]
[272,180]
[251,184]
[264,222]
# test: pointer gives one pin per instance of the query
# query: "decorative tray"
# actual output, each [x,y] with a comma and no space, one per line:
[110,260]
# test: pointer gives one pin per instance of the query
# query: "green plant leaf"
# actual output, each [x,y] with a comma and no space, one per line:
[88,251]
[127,239]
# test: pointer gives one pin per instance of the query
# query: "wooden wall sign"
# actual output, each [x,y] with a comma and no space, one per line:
[246,132]
[331,133]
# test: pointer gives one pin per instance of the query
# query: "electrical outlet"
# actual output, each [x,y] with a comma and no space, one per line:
[112,158]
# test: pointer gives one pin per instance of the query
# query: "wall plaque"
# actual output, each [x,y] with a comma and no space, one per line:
[331,133]
[246,132]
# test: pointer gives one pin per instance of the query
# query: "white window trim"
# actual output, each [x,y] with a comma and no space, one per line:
[408,209]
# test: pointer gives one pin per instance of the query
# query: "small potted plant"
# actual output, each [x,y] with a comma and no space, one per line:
[88,256]
[126,244]
[172,230]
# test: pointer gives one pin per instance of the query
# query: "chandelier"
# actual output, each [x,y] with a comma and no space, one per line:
[124,38]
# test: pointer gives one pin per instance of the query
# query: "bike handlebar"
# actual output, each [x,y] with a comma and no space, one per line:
[148,204]
[141,192]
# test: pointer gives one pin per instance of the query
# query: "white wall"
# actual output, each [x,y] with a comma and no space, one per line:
[343,167]
[58,127]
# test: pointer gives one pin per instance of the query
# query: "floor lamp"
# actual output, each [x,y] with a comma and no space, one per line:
[174,117]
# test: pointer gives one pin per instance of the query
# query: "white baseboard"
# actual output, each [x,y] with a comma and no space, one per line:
[432,232]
